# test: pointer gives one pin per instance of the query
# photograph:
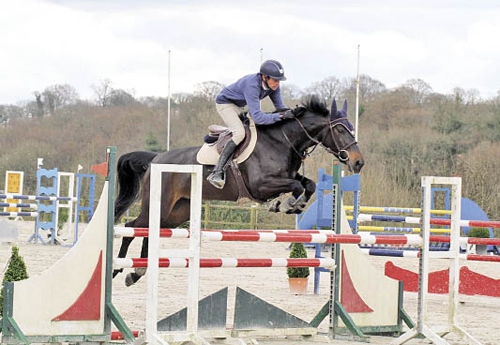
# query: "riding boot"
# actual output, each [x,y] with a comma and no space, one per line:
[217,178]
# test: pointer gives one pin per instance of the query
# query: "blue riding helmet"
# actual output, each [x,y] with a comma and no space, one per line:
[273,69]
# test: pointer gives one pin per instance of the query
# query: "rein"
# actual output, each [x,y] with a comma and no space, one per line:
[301,155]
[342,154]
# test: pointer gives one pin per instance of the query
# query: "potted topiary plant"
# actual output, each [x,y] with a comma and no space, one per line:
[16,270]
[481,249]
[298,276]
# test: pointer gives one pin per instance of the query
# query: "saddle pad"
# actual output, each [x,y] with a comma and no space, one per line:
[208,155]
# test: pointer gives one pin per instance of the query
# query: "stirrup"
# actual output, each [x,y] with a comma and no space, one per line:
[216,179]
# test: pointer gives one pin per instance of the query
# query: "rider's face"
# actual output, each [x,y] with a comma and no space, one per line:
[273,83]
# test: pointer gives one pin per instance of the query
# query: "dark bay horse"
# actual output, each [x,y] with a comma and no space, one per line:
[270,171]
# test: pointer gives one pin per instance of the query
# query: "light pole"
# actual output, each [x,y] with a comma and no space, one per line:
[357,100]
[168,105]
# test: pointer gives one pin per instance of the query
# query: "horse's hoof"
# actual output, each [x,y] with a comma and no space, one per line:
[129,280]
[300,208]
[275,206]
[289,206]
[115,272]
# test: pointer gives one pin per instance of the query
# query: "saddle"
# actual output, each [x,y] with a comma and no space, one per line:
[220,135]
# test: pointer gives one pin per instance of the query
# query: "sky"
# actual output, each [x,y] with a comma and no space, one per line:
[143,47]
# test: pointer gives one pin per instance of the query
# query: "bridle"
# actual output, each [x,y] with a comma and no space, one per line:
[342,152]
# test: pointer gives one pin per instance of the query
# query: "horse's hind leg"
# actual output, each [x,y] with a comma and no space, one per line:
[126,241]
[139,222]
[133,277]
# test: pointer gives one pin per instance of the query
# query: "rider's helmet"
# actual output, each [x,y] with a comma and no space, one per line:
[273,69]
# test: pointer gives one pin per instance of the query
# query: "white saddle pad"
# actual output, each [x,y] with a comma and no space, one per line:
[208,155]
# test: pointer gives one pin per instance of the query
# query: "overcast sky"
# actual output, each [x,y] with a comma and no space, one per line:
[446,43]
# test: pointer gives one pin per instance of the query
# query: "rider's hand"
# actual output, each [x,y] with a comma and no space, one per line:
[287,114]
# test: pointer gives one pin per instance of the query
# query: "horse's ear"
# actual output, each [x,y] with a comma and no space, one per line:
[344,107]
[333,110]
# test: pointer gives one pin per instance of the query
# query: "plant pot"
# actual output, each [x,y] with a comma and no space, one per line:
[298,286]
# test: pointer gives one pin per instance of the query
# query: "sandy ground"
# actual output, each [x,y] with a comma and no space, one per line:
[479,315]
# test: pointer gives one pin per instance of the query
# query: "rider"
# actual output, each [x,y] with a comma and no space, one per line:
[248,91]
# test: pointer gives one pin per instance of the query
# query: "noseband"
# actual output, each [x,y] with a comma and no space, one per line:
[342,153]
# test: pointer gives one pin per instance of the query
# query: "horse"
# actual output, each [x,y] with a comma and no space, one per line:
[271,170]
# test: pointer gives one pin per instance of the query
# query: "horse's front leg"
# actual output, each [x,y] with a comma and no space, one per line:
[284,186]
[297,204]
[302,190]
[309,186]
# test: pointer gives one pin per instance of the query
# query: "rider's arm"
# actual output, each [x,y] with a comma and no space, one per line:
[276,99]
[252,93]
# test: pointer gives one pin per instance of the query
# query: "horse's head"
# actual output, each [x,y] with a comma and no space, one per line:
[336,135]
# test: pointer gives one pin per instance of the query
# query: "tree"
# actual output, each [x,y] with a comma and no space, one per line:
[152,143]
[16,271]
[327,89]
[118,97]
[9,113]
[297,251]
[369,88]
[58,96]
[290,93]
[418,90]
[208,89]
[39,105]
[102,91]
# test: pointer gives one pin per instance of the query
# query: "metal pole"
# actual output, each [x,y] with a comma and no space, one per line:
[168,105]
[357,100]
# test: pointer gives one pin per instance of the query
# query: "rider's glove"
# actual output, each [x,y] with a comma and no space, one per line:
[287,114]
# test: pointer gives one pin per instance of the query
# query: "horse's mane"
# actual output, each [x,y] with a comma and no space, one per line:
[313,104]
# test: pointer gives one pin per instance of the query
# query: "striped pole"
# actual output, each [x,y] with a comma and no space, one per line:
[227,262]
[37,197]
[416,254]
[363,238]
[144,232]
[181,233]
[391,209]
[6,204]
[305,236]
[434,221]
[314,236]
[399,229]
[18,214]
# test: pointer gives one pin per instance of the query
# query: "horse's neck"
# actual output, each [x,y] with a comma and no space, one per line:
[287,137]
[300,136]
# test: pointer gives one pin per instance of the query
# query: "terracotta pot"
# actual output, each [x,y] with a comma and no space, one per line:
[298,286]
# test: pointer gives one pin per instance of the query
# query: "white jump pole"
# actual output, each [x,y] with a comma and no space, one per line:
[193,253]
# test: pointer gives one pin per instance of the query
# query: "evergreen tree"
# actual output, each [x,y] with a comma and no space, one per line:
[298,251]
[16,271]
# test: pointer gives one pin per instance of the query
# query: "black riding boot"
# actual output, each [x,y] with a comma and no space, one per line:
[217,178]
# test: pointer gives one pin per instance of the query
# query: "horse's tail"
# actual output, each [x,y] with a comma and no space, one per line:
[130,168]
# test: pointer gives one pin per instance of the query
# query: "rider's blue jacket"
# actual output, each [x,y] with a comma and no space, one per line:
[249,91]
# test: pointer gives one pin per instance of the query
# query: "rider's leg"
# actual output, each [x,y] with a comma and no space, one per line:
[230,115]
[217,178]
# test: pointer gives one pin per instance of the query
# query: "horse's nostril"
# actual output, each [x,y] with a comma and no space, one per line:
[357,165]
